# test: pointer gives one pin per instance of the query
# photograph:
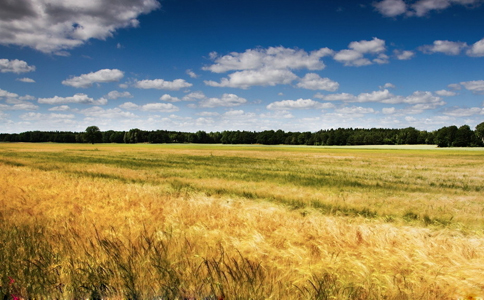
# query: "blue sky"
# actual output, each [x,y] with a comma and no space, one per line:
[216,65]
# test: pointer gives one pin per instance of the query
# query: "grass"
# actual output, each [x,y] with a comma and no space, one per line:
[240,222]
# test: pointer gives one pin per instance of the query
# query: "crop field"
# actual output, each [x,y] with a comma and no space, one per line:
[106,221]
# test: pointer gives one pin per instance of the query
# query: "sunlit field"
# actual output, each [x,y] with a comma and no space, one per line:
[108,221]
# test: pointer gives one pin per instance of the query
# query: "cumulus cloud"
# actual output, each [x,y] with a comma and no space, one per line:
[393,8]
[374,46]
[25,79]
[313,81]
[477,49]
[464,112]
[388,85]
[60,108]
[191,73]
[422,7]
[77,98]
[420,100]
[43,117]
[345,97]
[112,113]
[15,65]
[194,96]
[446,47]
[6,94]
[475,86]
[445,93]
[113,95]
[56,26]
[19,106]
[355,110]
[247,78]
[101,76]
[161,84]
[355,55]
[298,104]
[403,54]
[351,58]
[169,98]
[383,96]
[271,58]
[227,100]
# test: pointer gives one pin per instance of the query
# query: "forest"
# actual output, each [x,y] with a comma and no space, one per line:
[448,136]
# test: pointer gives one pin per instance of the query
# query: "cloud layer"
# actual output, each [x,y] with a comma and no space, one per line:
[56,26]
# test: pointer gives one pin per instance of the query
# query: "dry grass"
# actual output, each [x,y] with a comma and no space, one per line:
[77,224]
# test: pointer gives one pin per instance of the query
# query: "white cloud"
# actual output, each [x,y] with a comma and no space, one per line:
[446,47]
[455,86]
[129,106]
[388,110]
[194,96]
[19,106]
[15,65]
[161,84]
[248,78]
[208,114]
[60,108]
[464,112]
[477,49]
[403,54]
[169,98]
[191,74]
[381,59]
[298,104]
[159,107]
[383,96]
[422,7]
[420,97]
[99,112]
[46,117]
[346,97]
[272,58]
[227,100]
[391,8]
[25,79]
[351,58]
[101,76]
[355,55]
[77,98]
[5,94]
[313,81]
[446,93]
[388,85]
[115,95]
[56,26]
[476,86]
[232,113]
[374,46]
[355,110]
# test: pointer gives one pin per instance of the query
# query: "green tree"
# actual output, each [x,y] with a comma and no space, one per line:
[463,137]
[93,134]
[480,131]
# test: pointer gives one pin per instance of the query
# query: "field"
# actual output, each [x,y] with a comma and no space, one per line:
[143,221]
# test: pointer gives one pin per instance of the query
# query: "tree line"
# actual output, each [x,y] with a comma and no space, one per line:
[449,136]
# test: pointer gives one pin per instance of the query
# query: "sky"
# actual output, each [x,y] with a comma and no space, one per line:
[214,65]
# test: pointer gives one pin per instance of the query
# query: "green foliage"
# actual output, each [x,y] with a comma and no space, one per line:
[444,137]
[480,131]
[93,135]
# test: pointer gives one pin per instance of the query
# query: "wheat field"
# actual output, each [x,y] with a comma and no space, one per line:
[240,222]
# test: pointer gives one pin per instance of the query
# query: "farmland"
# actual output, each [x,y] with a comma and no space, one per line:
[240,222]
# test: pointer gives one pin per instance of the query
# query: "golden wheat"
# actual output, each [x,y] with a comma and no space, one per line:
[135,234]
